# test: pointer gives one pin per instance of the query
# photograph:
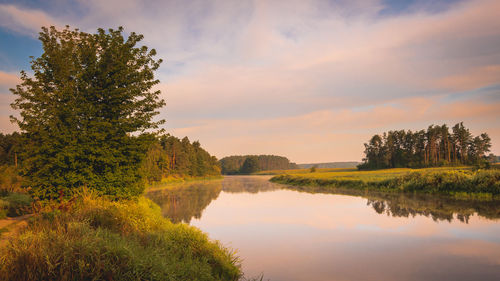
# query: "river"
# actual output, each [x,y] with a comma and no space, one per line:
[287,233]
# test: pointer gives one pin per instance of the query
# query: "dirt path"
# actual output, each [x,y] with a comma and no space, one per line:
[11,226]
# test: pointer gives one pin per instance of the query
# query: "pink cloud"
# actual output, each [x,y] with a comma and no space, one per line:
[471,78]
[337,135]
[303,81]
[9,79]
[24,20]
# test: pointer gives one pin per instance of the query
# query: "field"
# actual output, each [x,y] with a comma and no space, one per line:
[458,181]
[354,173]
[305,171]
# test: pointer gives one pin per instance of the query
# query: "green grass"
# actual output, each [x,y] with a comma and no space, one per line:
[173,179]
[97,239]
[459,181]
[304,171]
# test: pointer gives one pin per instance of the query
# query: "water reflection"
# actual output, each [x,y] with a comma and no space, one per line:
[248,184]
[315,235]
[183,202]
[437,207]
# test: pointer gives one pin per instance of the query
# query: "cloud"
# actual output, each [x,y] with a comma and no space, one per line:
[471,78]
[338,134]
[304,77]
[24,21]
[8,80]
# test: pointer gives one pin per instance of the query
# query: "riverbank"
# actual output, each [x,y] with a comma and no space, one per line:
[459,182]
[95,238]
[174,179]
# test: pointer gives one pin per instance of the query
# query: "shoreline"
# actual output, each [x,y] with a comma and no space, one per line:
[463,184]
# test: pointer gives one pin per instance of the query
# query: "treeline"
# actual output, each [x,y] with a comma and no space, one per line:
[247,164]
[171,156]
[167,156]
[436,146]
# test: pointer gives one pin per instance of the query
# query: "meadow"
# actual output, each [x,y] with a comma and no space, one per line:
[456,181]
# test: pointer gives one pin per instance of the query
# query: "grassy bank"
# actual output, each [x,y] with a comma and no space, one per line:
[176,179]
[455,181]
[97,239]
[304,171]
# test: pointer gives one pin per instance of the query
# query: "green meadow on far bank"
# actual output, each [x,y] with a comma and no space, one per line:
[304,171]
[457,181]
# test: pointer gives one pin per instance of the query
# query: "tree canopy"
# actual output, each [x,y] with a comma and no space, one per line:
[436,146]
[234,164]
[170,156]
[86,112]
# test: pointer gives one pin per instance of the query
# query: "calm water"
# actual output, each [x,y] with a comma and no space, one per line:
[350,235]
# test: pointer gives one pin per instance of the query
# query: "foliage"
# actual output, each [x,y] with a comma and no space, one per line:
[434,147]
[84,112]
[313,169]
[233,164]
[251,165]
[10,181]
[103,240]
[169,156]
[16,204]
[435,180]
[3,209]
[10,145]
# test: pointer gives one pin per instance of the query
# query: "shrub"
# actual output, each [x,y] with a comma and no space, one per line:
[103,240]
[3,209]
[17,204]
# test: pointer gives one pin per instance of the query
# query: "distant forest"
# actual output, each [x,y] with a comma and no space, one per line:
[167,156]
[248,164]
[436,146]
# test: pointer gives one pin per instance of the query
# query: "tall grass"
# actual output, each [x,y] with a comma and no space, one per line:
[481,183]
[97,239]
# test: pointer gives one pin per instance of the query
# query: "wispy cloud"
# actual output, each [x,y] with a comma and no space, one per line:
[244,76]
[24,21]
[8,80]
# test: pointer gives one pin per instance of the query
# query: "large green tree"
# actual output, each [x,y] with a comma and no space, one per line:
[87,112]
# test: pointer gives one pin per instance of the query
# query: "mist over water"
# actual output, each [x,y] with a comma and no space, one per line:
[346,235]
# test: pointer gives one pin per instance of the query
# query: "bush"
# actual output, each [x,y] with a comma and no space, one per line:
[10,181]
[17,204]
[103,240]
[3,209]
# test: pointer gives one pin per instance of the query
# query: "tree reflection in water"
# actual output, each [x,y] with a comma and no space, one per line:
[183,202]
[437,207]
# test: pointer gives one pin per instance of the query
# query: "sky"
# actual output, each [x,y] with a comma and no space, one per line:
[311,80]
